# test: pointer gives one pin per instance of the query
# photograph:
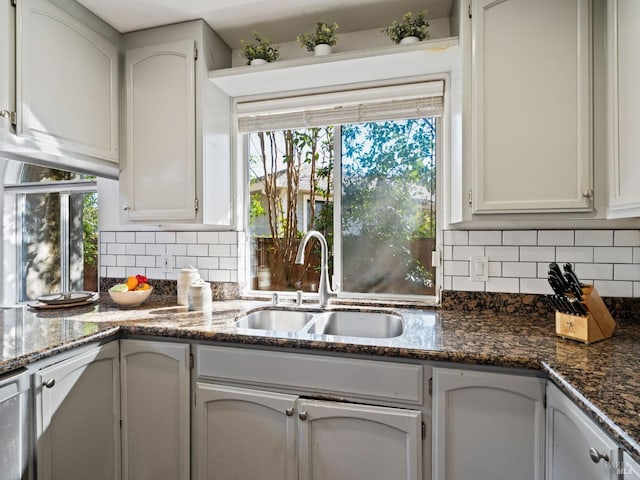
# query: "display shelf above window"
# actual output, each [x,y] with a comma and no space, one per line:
[371,65]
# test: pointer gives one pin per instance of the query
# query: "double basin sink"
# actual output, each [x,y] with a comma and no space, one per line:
[348,323]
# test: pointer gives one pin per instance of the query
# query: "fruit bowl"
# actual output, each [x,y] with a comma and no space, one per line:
[131,298]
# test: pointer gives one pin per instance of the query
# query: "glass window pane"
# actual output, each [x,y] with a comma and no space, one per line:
[388,206]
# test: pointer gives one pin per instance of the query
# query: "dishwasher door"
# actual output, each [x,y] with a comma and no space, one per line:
[14,426]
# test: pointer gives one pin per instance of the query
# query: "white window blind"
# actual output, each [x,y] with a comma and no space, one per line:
[415,100]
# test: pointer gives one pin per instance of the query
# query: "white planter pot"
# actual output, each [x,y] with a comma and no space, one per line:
[406,40]
[258,61]
[322,49]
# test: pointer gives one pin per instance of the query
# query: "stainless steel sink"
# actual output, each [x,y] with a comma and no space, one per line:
[275,319]
[358,324]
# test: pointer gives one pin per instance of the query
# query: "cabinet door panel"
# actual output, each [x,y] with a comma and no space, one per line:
[570,435]
[160,163]
[624,105]
[14,426]
[78,417]
[487,425]
[68,82]
[7,64]
[338,440]
[244,434]
[531,105]
[155,410]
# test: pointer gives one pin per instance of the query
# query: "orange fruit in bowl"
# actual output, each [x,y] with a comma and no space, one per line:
[143,286]
[132,283]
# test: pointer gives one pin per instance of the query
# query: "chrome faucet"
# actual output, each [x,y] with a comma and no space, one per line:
[324,288]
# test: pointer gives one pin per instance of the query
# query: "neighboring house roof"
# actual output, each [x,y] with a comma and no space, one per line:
[281,180]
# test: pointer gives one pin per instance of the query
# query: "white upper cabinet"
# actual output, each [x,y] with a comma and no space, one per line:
[623,40]
[177,166]
[7,66]
[160,99]
[67,82]
[531,143]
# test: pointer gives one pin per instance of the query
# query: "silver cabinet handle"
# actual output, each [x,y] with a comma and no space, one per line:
[126,208]
[596,456]
[587,193]
[289,412]
[302,415]
[50,383]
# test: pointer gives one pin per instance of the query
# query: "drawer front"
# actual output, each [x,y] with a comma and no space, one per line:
[368,379]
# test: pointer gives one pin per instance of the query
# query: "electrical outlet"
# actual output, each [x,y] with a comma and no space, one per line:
[167,263]
[479,269]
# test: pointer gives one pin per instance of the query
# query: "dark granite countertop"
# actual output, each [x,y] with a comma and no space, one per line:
[602,378]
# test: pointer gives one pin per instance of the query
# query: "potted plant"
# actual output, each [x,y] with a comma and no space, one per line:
[263,51]
[410,29]
[321,41]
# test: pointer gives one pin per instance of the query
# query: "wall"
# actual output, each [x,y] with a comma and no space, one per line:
[519,259]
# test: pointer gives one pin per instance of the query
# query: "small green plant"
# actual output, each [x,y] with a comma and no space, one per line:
[324,34]
[410,26]
[263,48]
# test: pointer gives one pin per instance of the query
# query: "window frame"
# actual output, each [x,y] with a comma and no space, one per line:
[444,131]
[14,212]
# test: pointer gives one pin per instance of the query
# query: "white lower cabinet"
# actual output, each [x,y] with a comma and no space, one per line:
[155,410]
[245,433]
[77,405]
[14,426]
[577,449]
[487,426]
[631,469]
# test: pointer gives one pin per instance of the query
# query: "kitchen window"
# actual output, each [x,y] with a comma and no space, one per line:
[54,217]
[368,158]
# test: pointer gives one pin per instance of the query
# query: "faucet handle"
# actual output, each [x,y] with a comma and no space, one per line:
[274,298]
[298,297]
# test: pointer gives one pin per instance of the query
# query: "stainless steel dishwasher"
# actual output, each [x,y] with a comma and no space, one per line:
[14,426]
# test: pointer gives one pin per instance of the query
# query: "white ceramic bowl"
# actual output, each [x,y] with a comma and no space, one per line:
[132,298]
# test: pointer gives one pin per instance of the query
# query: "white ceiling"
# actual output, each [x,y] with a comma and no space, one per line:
[279,20]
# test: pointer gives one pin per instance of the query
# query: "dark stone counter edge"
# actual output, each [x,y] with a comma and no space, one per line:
[529,363]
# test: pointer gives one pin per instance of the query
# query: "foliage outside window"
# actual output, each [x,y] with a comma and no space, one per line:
[386,222]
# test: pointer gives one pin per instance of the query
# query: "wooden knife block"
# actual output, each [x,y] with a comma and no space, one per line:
[596,325]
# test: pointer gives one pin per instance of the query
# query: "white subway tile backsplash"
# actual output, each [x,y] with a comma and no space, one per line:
[228,263]
[176,249]
[509,285]
[155,248]
[108,260]
[537,286]
[208,237]
[626,238]
[447,282]
[456,237]
[145,237]
[116,272]
[626,272]
[126,261]
[165,237]
[456,268]
[466,252]
[157,273]
[607,288]
[556,237]
[219,276]
[125,237]
[108,237]
[197,250]
[600,271]
[612,255]
[229,238]
[574,254]
[485,237]
[636,255]
[636,289]
[222,250]
[145,261]
[210,263]
[537,254]
[116,248]
[502,254]
[520,269]
[592,238]
[520,237]
[135,249]
[447,252]
[186,237]
[495,269]
[466,284]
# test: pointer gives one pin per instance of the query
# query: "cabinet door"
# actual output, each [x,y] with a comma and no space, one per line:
[487,425]
[67,82]
[7,65]
[570,437]
[78,417]
[358,442]
[623,38]
[155,410]
[531,102]
[631,469]
[244,434]
[14,427]
[159,173]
